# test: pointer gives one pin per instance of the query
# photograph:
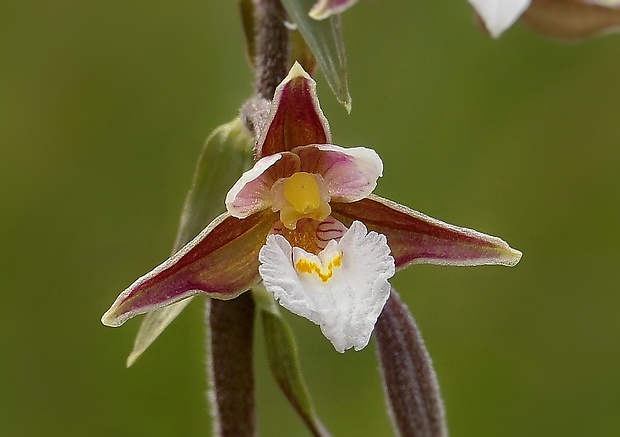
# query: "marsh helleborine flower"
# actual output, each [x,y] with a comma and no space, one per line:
[299,221]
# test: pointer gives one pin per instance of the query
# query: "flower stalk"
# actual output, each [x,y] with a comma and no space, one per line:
[230,333]
[409,380]
[230,324]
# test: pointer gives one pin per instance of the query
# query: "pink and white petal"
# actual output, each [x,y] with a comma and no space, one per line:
[416,238]
[296,118]
[326,8]
[499,15]
[221,262]
[349,173]
[344,291]
[252,192]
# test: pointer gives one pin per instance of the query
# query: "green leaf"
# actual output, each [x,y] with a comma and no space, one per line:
[153,324]
[325,39]
[284,363]
[226,154]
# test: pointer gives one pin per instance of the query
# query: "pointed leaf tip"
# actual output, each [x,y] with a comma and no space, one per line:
[325,40]
[229,144]
[153,324]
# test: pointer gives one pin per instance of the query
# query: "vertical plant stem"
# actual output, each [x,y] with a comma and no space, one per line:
[230,332]
[272,40]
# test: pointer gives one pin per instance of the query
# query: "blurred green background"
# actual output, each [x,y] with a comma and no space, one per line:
[103,110]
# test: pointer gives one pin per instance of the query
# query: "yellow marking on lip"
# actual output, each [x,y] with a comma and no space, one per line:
[306,266]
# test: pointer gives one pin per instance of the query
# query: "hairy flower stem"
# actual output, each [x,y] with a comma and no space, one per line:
[230,326]
[409,380]
[272,40]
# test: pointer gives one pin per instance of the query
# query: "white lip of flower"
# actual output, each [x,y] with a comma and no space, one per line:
[499,15]
[342,289]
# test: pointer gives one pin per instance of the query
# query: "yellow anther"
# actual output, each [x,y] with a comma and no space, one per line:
[305,266]
[302,192]
[300,196]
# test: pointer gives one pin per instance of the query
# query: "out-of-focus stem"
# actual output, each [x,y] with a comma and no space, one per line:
[230,333]
[409,379]
[272,40]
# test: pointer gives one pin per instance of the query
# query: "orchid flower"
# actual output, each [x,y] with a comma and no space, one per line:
[303,222]
[564,19]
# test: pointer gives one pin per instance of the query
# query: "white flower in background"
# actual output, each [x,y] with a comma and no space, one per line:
[499,15]
[559,19]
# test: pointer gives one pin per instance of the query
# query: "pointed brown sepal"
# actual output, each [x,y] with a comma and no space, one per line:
[571,20]
[221,262]
[296,118]
[416,238]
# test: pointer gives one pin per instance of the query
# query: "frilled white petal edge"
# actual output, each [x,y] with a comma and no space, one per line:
[343,289]
[499,15]
[350,173]
[250,192]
